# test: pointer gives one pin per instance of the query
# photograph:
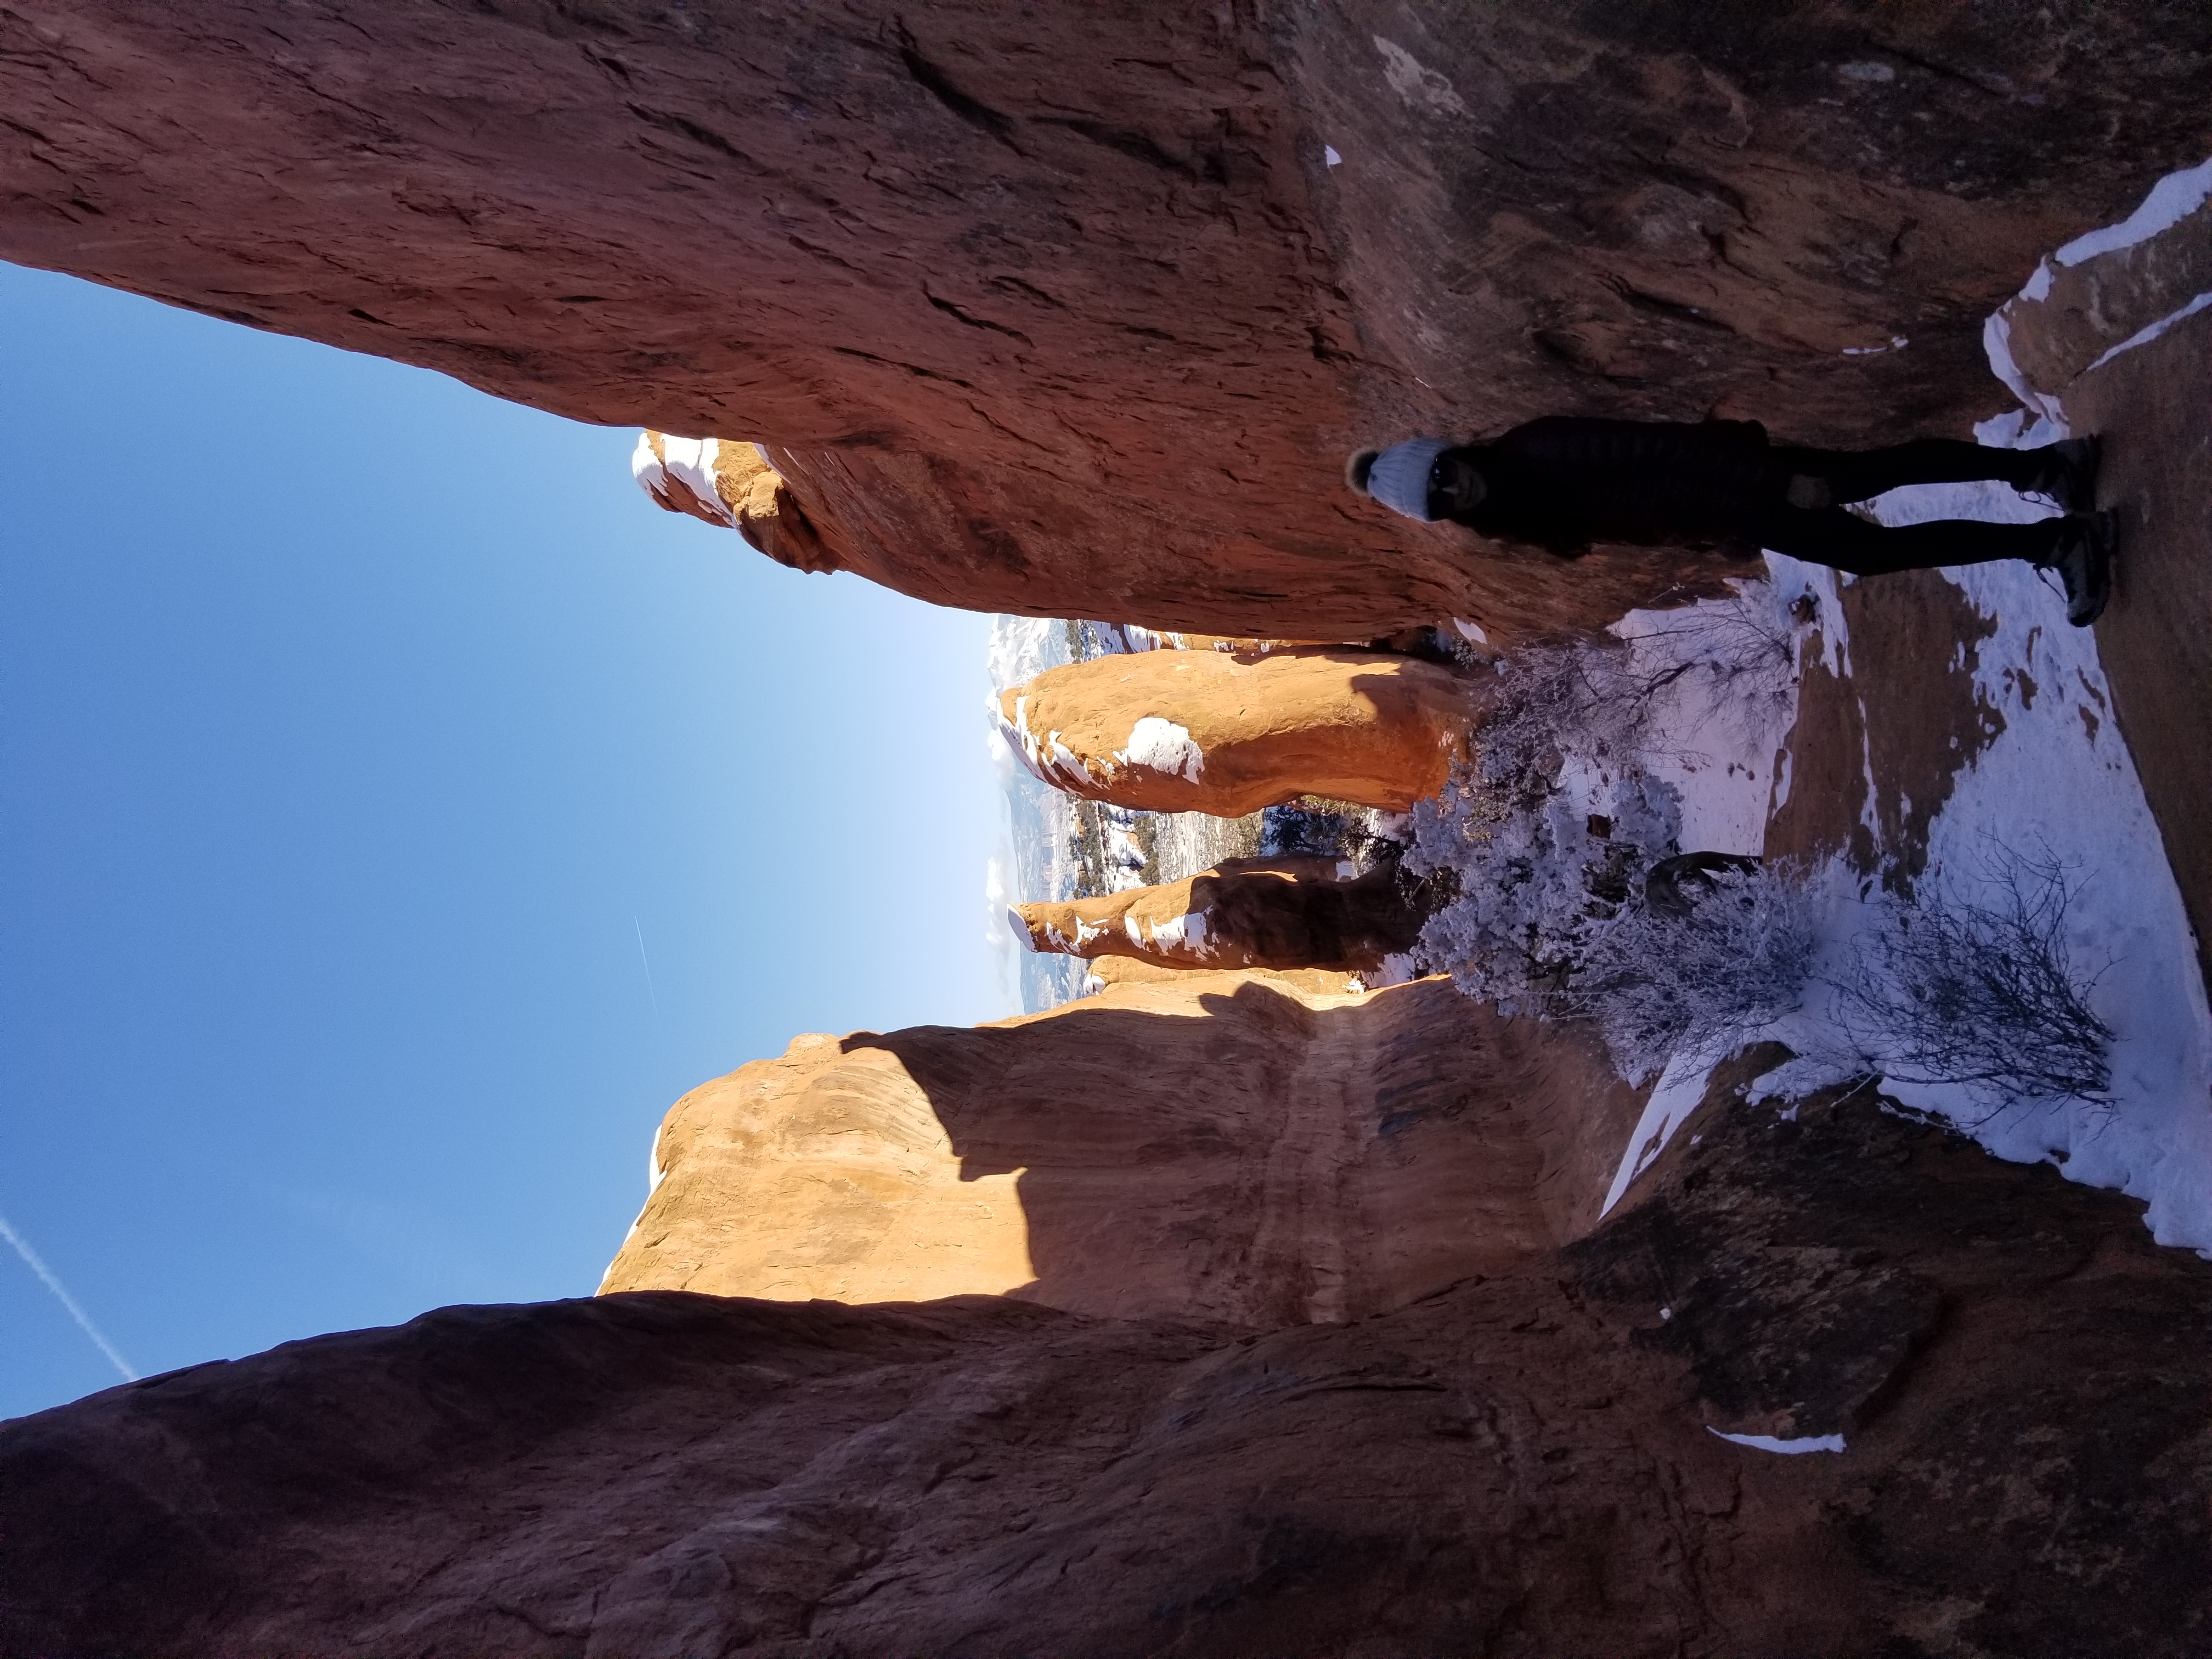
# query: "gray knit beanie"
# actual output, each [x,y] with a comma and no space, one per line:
[1400,476]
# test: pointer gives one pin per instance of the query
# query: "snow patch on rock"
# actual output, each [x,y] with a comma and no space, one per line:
[1162,746]
[1767,1443]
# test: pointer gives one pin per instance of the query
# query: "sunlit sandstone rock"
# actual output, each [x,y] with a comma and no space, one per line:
[1223,1146]
[731,484]
[1103,971]
[1229,732]
[1243,912]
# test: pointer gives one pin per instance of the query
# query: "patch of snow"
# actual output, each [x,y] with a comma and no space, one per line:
[2057,780]
[2144,336]
[1329,157]
[1767,1443]
[1997,343]
[692,460]
[1471,631]
[1019,929]
[1672,1098]
[2172,199]
[645,467]
[1897,342]
[1162,746]
[1726,721]
[1186,931]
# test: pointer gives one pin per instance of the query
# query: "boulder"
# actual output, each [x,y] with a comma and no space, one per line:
[1242,913]
[1231,732]
[1220,1146]
[732,485]
[1077,311]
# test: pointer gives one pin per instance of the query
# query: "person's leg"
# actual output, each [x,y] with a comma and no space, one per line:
[1859,475]
[1847,542]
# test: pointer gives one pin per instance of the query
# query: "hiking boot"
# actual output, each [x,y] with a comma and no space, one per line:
[2068,473]
[2083,560]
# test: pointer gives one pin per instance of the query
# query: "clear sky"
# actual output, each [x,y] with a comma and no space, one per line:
[363,738]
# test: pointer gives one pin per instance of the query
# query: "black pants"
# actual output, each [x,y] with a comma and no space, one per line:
[1830,536]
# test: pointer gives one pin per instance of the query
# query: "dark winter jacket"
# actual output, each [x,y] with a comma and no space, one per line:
[1564,482]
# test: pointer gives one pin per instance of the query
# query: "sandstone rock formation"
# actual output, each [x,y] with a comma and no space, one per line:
[1222,1146]
[732,485]
[1075,311]
[1523,1463]
[1243,912]
[1105,971]
[1213,731]
[1155,639]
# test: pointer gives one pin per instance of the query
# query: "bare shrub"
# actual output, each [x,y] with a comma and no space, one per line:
[1693,978]
[1980,989]
[1544,842]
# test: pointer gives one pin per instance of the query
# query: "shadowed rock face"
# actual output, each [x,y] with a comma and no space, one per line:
[1231,732]
[1243,912]
[1520,1464]
[1251,1150]
[1067,310]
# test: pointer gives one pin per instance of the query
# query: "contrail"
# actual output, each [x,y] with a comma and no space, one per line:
[649,991]
[83,1321]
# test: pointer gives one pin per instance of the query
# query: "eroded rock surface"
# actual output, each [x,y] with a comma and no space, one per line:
[1076,311]
[1223,1146]
[1231,732]
[732,485]
[1522,1463]
[1244,913]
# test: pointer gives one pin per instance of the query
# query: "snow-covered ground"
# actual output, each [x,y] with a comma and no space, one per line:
[2057,780]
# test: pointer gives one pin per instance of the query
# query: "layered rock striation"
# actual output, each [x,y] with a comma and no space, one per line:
[1242,913]
[1247,1149]
[1076,311]
[1231,732]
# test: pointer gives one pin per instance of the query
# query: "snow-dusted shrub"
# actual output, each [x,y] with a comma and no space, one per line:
[1535,874]
[1540,838]
[1736,957]
[1544,843]
[1316,826]
[1977,986]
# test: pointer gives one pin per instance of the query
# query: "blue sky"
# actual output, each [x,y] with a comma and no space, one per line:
[356,730]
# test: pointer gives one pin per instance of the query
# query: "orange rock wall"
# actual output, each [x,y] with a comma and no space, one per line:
[1229,734]
[1223,1146]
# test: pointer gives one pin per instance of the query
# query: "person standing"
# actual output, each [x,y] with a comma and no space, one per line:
[1564,482]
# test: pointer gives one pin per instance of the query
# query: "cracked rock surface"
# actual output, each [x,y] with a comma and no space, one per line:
[1066,311]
